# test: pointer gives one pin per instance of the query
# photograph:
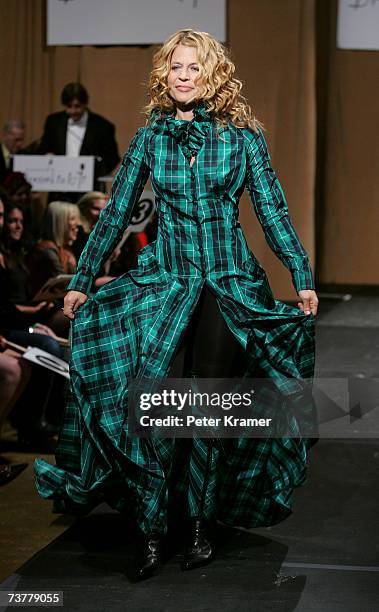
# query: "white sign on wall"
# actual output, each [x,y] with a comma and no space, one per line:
[56,172]
[130,22]
[358,24]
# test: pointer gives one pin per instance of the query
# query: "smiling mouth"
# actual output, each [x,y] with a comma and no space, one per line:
[183,88]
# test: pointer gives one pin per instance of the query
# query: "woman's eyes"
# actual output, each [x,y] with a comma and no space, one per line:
[194,68]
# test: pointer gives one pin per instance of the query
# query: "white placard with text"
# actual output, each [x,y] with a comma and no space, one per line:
[358,24]
[57,172]
[130,22]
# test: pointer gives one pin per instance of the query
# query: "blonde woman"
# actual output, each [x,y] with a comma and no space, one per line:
[201,145]
[53,254]
[90,206]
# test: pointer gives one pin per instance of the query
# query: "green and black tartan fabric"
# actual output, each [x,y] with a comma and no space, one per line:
[131,327]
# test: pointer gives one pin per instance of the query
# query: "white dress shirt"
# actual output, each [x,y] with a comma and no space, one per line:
[75,135]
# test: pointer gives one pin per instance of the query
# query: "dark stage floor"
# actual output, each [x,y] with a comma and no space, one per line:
[324,558]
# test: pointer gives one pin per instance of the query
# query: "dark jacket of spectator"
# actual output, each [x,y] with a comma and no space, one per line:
[99,140]
[48,260]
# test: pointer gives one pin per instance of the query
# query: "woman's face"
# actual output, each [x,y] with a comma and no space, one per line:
[95,208]
[15,224]
[183,73]
[72,228]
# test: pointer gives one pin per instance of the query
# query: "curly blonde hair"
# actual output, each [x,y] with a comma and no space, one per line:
[219,89]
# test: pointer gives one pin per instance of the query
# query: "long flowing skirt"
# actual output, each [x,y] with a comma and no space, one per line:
[136,327]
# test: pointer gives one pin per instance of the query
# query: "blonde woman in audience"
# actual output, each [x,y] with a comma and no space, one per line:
[90,206]
[53,254]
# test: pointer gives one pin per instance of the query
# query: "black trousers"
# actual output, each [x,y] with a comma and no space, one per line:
[208,348]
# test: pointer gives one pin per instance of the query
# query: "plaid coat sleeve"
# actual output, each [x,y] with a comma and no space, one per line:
[114,219]
[271,209]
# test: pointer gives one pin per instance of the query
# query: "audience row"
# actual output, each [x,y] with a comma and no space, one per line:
[34,248]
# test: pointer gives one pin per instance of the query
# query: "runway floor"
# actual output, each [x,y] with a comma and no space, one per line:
[324,558]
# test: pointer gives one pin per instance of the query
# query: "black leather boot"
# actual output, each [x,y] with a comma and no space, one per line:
[150,557]
[199,550]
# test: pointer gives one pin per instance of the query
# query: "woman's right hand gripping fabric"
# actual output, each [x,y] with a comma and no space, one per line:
[72,301]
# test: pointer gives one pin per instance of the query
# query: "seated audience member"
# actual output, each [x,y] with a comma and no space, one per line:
[14,272]
[125,255]
[78,131]
[13,249]
[45,390]
[135,241]
[37,413]
[90,206]
[14,375]
[11,143]
[16,292]
[53,254]
[12,314]
[19,191]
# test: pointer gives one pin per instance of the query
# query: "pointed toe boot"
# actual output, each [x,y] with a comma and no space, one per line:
[199,550]
[150,557]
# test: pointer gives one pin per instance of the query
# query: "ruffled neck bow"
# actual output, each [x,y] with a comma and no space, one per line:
[190,135]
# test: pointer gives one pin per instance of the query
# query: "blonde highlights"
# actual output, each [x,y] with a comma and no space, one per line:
[84,204]
[219,89]
[56,221]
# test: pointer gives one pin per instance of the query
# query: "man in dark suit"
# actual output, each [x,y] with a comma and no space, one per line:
[11,143]
[78,131]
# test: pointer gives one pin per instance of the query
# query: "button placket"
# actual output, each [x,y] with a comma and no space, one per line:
[195,206]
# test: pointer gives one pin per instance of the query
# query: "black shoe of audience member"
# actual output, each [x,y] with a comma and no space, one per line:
[10,472]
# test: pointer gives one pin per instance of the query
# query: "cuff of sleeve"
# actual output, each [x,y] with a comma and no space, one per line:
[81,282]
[303,280]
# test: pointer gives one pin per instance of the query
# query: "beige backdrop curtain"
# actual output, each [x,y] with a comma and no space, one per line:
[348,222]
[273,45]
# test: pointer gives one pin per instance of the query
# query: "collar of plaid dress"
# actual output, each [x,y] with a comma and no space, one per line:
[190,135]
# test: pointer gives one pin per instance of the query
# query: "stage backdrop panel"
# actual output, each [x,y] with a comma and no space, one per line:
[130,22]
[348,252]
[273,46]
[358,24]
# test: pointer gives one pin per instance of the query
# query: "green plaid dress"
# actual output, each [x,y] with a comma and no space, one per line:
[131,327]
